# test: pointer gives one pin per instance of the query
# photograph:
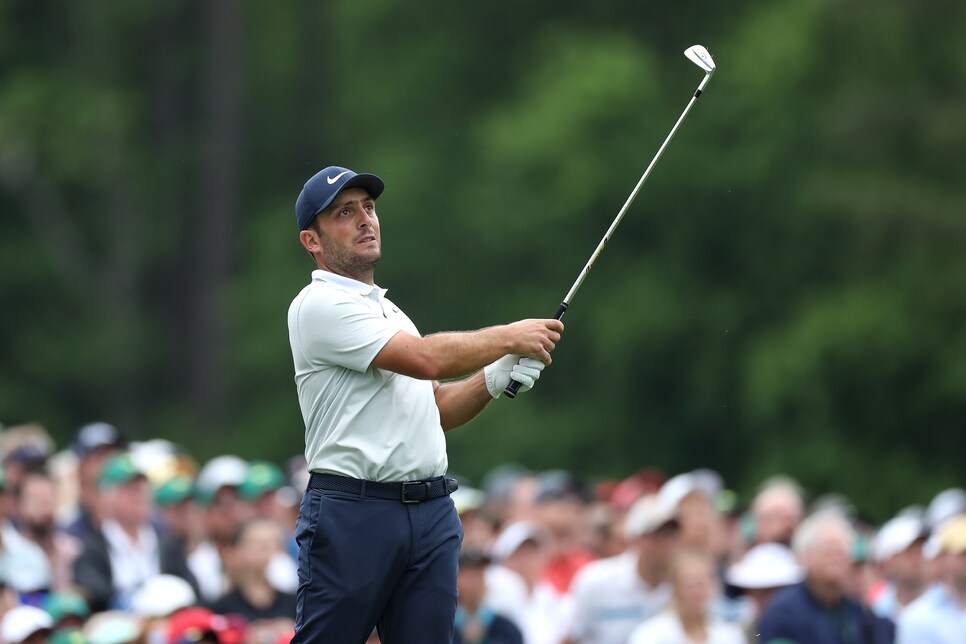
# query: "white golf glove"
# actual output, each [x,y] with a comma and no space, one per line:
[498,375]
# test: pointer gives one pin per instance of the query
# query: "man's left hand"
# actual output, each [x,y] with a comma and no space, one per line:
[498,375]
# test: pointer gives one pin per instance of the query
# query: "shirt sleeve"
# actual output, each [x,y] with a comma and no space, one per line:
[336,328]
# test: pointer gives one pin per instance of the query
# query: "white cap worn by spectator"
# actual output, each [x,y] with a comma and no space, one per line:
[944,506]
[158,458]
[515,535]
[767,565]
[162,595]
[678,487]
[222,471]
[896,535]
[649,514]
[23,621]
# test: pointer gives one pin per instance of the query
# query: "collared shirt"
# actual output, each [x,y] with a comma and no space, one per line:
[611,599]
[360,421]
[132,561]
[936,617]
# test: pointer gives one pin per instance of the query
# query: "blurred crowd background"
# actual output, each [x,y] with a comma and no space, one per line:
[108,540]
[785,293]
[785,296]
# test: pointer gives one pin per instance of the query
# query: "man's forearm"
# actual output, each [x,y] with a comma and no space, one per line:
[460,402]
[443,356]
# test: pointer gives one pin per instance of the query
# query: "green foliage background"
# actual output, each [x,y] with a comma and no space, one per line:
[788,293]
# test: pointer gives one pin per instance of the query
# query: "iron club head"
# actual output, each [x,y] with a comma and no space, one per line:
[700,57]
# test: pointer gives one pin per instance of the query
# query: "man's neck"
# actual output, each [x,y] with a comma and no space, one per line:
[364,275]
[825,594]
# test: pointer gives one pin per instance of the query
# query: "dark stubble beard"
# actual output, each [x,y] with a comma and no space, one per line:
[38,531]
[345,262]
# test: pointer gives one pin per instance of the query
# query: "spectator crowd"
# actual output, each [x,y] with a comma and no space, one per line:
[111,541]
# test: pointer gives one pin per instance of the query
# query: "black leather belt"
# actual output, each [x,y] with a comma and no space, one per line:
[406,492]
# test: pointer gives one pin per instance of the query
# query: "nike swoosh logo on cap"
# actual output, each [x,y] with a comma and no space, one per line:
[332,180]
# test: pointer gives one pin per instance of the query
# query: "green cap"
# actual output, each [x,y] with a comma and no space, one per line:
[68,636]
[66,604]
[262,477]
[174,490]
[118,470]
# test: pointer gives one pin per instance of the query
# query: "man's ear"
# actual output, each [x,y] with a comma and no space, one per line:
[310,240]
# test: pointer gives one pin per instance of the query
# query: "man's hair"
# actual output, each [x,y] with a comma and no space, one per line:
[817,525]
[780,486]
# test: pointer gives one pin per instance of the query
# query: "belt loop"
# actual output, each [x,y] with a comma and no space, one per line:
[362,488]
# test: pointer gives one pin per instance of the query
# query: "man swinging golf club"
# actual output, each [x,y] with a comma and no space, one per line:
[378,535]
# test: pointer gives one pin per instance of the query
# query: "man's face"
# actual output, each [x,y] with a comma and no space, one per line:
[529,560]
[225,512]
[656,549]
[345,236]
[777,514]
[699,520]
[37,501]
[907,565]
[130,503]
[827,561]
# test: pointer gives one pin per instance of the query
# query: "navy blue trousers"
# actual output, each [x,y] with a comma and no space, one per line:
[366,562]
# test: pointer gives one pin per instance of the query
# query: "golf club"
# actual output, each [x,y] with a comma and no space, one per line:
[700,57]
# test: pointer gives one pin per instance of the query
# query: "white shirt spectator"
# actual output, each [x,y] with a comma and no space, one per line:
[666,629]
[132,563]
[541,615]
[205,564]
[610,599]
[22,563]
[936,617]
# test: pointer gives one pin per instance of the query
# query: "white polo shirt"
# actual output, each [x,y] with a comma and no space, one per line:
[360,421]
[611,599]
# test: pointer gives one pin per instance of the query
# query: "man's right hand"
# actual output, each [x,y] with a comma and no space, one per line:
[535,338]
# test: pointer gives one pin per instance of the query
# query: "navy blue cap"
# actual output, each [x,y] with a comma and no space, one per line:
[320,190]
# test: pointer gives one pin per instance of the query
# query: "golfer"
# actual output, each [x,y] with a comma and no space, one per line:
[378,535]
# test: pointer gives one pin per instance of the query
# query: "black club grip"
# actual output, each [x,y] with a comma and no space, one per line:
[514,386]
